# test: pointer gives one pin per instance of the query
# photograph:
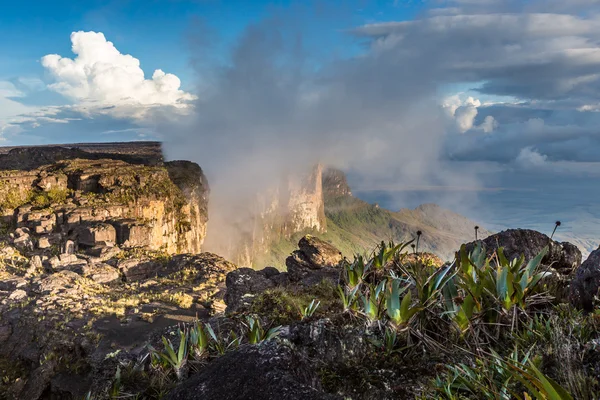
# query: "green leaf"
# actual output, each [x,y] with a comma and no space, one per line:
[404,307]
[535,262]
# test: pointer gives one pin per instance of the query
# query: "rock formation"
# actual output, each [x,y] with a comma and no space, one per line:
[93,201]
[585,287]
[562,257]
[296,205]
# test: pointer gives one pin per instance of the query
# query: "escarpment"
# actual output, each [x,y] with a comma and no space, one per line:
[93,201]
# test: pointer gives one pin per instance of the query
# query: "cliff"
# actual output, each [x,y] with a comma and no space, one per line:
[247,233]
[130,198]
[355,226]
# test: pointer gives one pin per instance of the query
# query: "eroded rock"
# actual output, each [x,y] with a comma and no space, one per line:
[586,284]
[563,257]
[262,372]
[315,260]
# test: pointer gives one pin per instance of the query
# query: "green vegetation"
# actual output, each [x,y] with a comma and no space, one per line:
[45,198]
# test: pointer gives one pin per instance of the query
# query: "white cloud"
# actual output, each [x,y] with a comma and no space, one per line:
[100,77]
[529,157]
[464,113]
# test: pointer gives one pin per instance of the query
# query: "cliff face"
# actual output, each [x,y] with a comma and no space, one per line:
[295,205]
[156,206]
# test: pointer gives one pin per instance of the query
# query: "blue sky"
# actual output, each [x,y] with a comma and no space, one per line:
[155,31]
[467,103]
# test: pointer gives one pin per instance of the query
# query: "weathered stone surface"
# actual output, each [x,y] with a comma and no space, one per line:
[131,233]
[69,247]
[243,285]
[93,234]
[138,269]
[59,281]
[586,284]
[313,254]
[103,251]
[101,273]
[263,372]
[563,257]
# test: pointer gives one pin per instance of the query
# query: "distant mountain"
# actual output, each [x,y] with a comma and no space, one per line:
[355,226]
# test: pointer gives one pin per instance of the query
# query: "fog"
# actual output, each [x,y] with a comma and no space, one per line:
[274,105]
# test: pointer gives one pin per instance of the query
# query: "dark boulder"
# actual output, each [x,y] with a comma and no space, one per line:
[314,261]
[563,257]
[586,283]
[264,372]
[243,285]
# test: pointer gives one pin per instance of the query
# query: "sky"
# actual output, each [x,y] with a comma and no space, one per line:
[488,107]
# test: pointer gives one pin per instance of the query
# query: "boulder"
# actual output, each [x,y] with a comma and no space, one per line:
[90,235]
[103,251]
[243,285]
[263,372]
[314,261]
[139,269]
[59,281]
[585,285]
[101,273]
[23,241]
[210,267]
[563,257]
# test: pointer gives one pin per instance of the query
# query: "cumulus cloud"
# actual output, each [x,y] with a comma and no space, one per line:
[100,76]
[529,157]
[464,113]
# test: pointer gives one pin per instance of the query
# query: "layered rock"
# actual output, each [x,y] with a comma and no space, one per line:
[159,206]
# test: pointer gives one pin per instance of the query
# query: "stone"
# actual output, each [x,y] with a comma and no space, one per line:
[139,269]
[23,242]
[35,267]
[586,284]
[90,235]
[563,257]
[18,295]
[103,251]
[10,284]
[59,281]
[44,243]
[101,273]
[242,286]
[131,233]
[314,255]
[262,372]
[69,247]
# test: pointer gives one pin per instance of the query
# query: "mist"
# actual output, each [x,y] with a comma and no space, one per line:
[274,105]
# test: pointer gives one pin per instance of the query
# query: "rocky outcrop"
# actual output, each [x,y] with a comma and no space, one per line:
[315,260]
[335,183]
[59,323]
[264,372]
[244,284]
[92,200]
[562,257]
[586,284]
